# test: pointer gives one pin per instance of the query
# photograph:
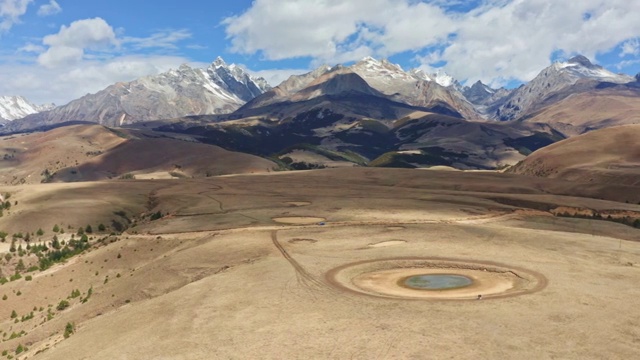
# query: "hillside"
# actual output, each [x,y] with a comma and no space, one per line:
[606,156]
[94,152]
[591,110]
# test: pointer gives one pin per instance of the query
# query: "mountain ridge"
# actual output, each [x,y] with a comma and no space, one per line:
[17,107]
[220,88]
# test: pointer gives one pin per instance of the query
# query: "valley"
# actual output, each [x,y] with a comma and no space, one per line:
[231,253]
[357,211]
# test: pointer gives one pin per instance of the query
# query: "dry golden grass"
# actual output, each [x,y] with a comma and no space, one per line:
[217,277]
[93,152]
[594,110]
[606,156]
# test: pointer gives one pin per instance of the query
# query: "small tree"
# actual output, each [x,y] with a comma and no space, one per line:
[68,330]
[40,232]
[14,314]
[101,227]
[55,243]
[88,229]
[56,228]
[80,231]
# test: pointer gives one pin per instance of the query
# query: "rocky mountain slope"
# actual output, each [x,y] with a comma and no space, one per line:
[557,78]
[17,107]
[218,89]
[381,79]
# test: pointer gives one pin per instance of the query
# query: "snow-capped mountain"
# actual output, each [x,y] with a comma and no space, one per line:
[556,78]
[382,79]
[218,89]
[17,107]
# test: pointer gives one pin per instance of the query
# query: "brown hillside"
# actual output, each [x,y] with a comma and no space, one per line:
[94,152]
[24,158]
[610,155]
[163,157]
[593,110]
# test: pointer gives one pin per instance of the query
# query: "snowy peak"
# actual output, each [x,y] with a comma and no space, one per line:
[218,89]
[557,78]
[236,80]
[581,60]
[580,67]
[17,107]
[219,62]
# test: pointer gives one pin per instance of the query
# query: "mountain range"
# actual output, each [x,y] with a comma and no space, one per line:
[372,112]
[220,88]
[17,107]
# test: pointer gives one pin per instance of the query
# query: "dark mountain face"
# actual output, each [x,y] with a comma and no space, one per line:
[478,93]
[583,61]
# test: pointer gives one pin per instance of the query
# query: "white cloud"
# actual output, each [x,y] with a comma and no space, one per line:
[32,48]
[499,40]
[630,47]
[84,57]
[49,9]
[11,11]
[163,39]
[69,44]
[42,85]
[275,76]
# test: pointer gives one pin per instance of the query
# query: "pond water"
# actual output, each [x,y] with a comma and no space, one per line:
[437,282]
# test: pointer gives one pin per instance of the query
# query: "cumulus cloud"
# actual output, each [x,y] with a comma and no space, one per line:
[49,9]
[85,57]
[335,29]
[11,11]
[631,47]
[495,41]
[69,44]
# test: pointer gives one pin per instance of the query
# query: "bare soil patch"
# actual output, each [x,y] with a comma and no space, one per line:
[298,203]
[298,220]
[298,240]
[388,243]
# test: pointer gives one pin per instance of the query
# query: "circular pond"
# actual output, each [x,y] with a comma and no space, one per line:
[436,282]
[435,279]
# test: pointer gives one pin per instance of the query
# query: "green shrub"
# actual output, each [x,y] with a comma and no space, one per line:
[68,330]
[63,304]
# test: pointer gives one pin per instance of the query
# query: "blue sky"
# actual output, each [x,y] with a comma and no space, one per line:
[56,51]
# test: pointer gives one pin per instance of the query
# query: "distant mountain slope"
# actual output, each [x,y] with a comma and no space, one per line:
[16,107]
[220,88]
[94,152]
[380,79]
[555,79]
[610,155]
[591,110]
